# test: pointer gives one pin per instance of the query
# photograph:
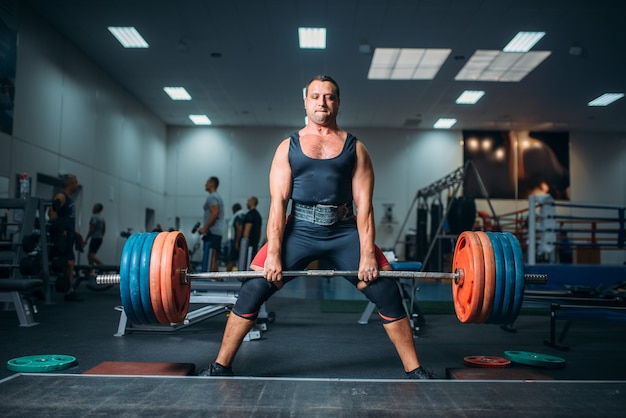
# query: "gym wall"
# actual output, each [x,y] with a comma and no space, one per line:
[71,117]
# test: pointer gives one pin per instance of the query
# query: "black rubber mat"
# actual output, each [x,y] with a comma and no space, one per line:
[95,395]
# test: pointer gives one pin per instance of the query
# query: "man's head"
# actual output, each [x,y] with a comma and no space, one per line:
[323,78]
[252,202]
[70,183]
[236,207]
[321,100]
[212,184]
[97,208]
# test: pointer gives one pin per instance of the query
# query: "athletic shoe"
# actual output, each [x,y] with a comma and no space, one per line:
[72,297]
[216,369]
[419,373]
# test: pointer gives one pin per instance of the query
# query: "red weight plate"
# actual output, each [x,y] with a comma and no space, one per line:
[486,362]
[468,292]
[180,287]
[155,279]
[175,293]
[490,277]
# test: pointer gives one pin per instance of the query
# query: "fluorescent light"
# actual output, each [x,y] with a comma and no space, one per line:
[128,37]
[312,38]
[200,119]
[493,65]
[177,93]
[444,123]
[606,99]
[406,63]
[523,41]
[470,96]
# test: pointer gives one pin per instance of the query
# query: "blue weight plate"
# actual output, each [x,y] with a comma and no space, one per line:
[518,258]
[509,274]
[498,256]
[133,274]
[125,279]
[144,278]
[535,359]
[41,363]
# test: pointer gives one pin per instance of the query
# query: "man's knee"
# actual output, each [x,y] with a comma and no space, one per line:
[385,294]
[252,294]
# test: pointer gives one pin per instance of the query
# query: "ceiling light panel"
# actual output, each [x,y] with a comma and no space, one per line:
[128,37]
[177,93]
[200,119]
[406,63]
[312,38]
[491,65]
[444,123]
[606,99]
[470,97]
[523,41]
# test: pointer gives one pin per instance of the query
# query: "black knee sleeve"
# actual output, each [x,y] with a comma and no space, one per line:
[252,294]
[385,294]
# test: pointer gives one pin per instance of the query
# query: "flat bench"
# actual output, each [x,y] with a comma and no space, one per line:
[11,292]
[564,305]
[581,310]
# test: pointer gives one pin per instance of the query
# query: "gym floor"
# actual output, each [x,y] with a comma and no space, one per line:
[310,344]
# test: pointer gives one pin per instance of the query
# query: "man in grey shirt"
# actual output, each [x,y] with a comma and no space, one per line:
[213,224]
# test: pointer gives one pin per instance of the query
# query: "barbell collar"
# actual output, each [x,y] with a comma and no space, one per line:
[220,275]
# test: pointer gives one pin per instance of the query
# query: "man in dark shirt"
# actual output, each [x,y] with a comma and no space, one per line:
[252,225]
[323,170]
[62,214]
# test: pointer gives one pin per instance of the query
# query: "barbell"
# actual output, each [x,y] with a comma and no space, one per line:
[487,280]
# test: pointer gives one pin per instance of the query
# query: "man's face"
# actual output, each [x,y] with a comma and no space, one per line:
[321,102]
[74,185]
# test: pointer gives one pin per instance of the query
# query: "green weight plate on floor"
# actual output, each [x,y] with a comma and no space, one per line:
[125,279]
[133,274]
[41,363]
[508,279]
[534,359]
[518,259]
[498,255]
[144,278]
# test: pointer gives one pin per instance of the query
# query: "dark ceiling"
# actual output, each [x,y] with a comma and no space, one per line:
[240,61]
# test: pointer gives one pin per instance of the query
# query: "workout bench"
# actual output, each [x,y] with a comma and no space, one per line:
[592,309]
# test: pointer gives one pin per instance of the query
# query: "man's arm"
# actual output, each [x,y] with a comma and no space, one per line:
[57,203]
[362,190]
[215,211]
[92,228]
[238,236]
[280,193]
[246,230]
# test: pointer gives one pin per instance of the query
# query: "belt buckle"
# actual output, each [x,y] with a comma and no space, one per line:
[330,212]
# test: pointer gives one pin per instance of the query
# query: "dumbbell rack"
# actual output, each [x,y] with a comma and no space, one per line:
[25,213]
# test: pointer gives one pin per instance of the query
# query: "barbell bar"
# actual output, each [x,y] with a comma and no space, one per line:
[186,277]
[488,277]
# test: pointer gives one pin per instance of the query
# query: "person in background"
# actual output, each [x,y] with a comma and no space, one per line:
[252,225]
[213,224]
[97,229]
[62,213]
[235,230]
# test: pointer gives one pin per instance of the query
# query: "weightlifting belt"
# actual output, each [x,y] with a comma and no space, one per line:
[324,215]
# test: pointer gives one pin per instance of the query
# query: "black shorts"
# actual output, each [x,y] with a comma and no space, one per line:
[338,245]
[94,245]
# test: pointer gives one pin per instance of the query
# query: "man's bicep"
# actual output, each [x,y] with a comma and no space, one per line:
[280,173]
[363,177]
